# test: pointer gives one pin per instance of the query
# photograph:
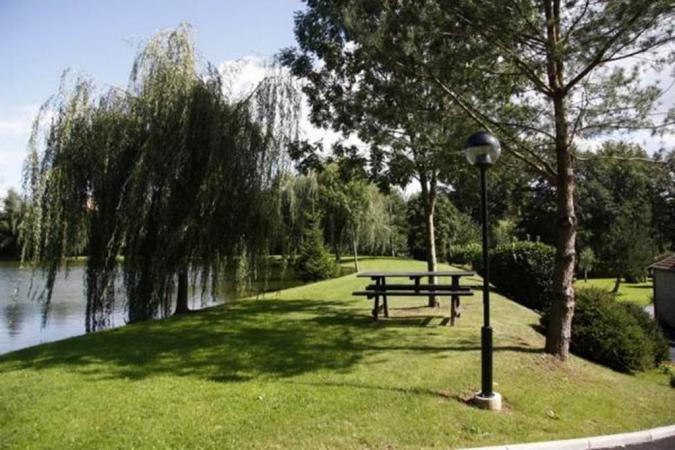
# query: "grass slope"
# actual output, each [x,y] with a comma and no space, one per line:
[307,368]
[638,293]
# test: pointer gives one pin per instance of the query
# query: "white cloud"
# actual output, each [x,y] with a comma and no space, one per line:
[17,121]
[241,76]
[15,128]
[11,127]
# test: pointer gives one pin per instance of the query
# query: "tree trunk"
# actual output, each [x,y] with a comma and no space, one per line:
[585,275]
[562,305]
[617,283]
[182,295]
[429,198]
[355,248]
[333,239]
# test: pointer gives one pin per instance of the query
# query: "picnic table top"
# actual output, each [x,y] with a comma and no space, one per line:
[450,273]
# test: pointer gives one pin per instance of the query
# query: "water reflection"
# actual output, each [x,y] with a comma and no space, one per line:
[22,312]
[14,313]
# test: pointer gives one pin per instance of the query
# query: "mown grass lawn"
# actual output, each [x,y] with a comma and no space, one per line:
[638,293]
[307,368]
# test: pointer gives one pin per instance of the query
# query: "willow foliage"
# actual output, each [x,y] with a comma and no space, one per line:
[169,174]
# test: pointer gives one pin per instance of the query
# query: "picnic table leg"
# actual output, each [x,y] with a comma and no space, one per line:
[454,301]
[384,298]
[376,305]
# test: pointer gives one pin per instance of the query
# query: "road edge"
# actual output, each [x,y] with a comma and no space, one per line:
[595,442]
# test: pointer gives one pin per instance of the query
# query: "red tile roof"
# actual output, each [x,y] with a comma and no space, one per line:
[667,264]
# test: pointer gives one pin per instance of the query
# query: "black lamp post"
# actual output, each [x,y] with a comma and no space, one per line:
[482,150]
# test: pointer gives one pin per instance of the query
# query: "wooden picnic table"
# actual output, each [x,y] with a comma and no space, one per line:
[433,289]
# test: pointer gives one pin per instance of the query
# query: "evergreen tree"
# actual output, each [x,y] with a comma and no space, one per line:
[314,262]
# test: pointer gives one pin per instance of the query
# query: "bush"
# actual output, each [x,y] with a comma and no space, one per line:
[466,255]
[652,330]
[503,232]
[314,262]
[636,276]
[523,271]
[614,334]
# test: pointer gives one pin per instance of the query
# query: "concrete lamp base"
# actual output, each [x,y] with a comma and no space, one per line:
[493,403]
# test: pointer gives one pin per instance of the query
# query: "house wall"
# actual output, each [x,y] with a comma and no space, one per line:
[664,296]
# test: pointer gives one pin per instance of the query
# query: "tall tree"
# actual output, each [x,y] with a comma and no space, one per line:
[616,190]
[168,174]
[537,73]
[408,123]
[564,59]
[663,202]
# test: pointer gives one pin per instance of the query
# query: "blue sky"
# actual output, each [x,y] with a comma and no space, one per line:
[40,39]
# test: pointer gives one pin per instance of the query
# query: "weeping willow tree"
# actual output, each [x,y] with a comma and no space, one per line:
[167,181]
[299,195]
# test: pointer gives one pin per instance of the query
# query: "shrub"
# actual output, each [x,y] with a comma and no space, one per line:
[466,255]
[503,232]
[652,330]
[523,271]
[612,333]
[314,262]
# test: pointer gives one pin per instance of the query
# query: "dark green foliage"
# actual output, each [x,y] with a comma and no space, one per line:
[663,201]
[11,215]
[629,248]
[537,212]
[523,271]
[502,232]
[466,255]
[652,331]
[452,227]
[616,216]
[314,262]
[614,334]
[407,122]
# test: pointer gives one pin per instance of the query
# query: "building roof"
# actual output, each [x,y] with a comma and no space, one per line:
[667,264]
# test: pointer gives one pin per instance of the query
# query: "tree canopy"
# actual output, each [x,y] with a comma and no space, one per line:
[168,174]
[537,74]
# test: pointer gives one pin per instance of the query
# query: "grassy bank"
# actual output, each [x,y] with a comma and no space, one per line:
[638,293]
[307,368]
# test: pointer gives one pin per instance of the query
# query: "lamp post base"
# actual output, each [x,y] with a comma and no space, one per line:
[493,403]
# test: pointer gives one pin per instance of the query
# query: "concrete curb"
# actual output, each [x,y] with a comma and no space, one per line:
[596,442]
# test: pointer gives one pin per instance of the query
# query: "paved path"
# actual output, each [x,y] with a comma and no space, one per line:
[662,444]
[660,438]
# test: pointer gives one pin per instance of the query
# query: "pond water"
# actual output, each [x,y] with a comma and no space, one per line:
[21,311]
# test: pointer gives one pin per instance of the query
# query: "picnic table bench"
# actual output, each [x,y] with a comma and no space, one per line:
[380,288]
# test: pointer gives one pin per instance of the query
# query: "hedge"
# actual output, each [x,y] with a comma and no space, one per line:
[523,271]
[617,335]
[465,255]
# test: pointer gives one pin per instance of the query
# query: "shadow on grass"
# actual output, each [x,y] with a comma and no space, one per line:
[247,340]
[370,387]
